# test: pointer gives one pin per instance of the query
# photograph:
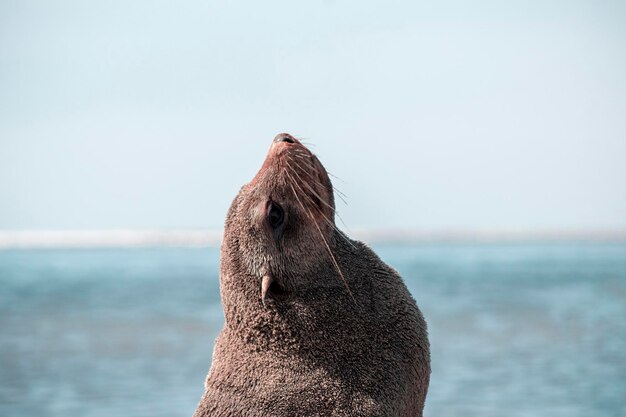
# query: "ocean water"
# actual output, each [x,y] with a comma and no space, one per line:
[516,330]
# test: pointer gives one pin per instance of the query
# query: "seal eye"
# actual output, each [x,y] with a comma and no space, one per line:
[275,215]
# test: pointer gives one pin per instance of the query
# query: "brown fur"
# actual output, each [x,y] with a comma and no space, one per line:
[327,343]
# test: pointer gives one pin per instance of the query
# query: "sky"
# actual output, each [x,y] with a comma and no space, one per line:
[447,115]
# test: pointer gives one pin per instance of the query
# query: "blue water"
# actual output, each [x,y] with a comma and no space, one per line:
[516,330]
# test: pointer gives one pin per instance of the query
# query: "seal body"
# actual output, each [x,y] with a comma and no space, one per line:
[315,323]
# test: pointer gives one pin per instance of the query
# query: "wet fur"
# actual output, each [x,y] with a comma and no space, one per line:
[341,335]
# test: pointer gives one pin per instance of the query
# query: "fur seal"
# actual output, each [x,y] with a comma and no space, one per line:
[315,323]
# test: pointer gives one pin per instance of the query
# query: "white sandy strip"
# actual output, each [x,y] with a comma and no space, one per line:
[107,238]
[488,236]
[209,238]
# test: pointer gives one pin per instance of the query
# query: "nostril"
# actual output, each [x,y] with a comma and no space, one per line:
[284,137]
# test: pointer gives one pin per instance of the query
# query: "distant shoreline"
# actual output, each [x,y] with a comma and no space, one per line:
[41,239]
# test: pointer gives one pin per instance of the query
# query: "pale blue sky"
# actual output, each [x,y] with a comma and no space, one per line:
[436,115]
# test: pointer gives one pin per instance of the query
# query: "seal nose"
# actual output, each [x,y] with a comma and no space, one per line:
[284,137]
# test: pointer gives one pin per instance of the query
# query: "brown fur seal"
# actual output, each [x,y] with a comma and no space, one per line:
[316,323]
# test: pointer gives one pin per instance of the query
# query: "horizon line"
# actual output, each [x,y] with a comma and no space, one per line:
[138,238]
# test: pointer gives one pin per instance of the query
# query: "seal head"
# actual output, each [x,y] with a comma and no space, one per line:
[280,227]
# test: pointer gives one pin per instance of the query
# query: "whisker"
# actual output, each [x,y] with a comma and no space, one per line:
[313,191]
[317,195]
[330,252]
[301,137]
[330,223]
[340,192]
[342,196]
[302,151]
[304,158]
[319,183]
[336,189]
[334,176]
